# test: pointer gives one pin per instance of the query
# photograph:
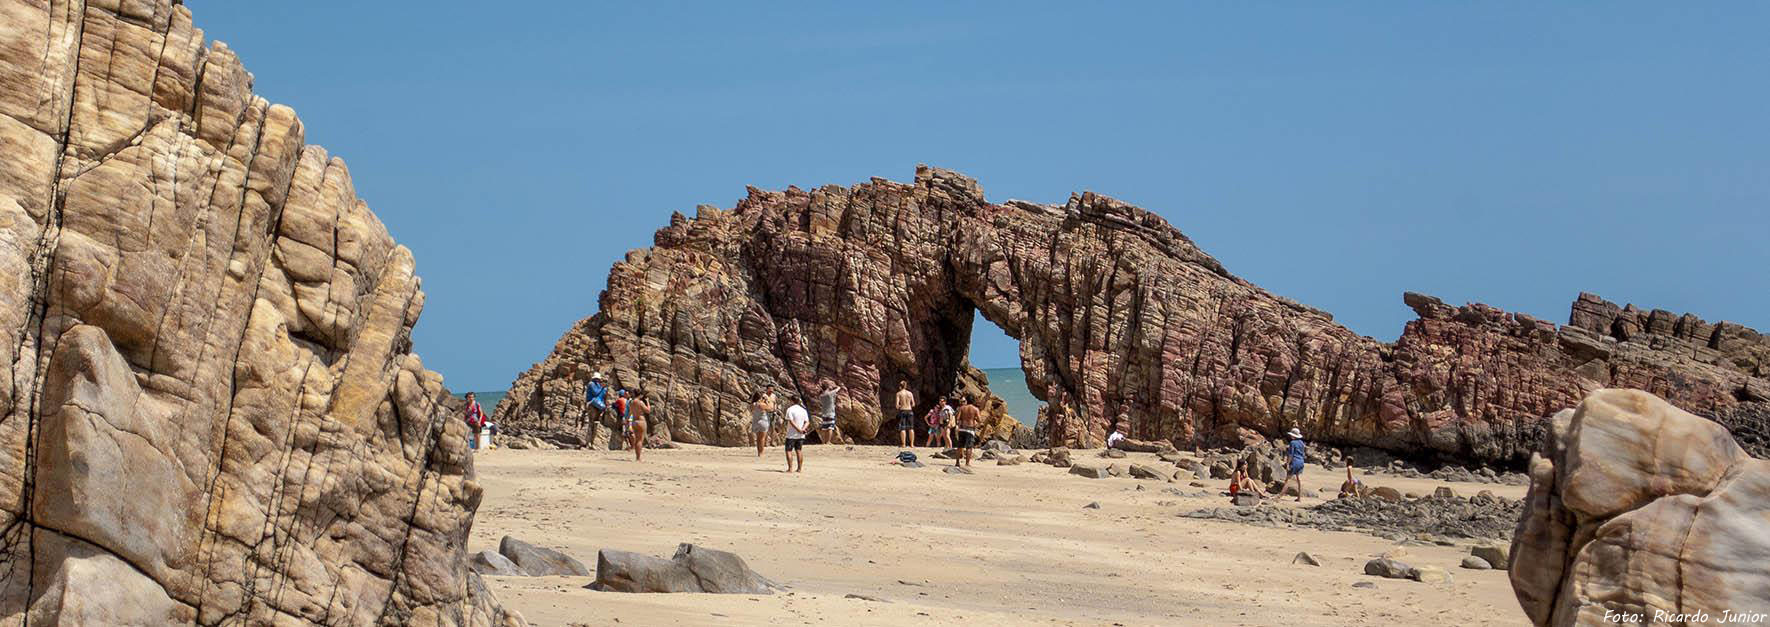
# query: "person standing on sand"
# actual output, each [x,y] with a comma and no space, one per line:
[948,422]
[595,400]
[826,406]
[476,420]
[638,409]
[619,408]
[969,420]
[906,415]
[1294,472]
[934,421]
[798,425]
[761,417]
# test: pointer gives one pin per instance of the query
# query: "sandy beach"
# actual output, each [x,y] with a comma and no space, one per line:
[1006,545]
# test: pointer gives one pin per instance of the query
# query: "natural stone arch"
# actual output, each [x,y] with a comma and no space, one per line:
[1112,306]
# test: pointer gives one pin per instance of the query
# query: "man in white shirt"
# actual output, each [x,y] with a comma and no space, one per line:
[798,423]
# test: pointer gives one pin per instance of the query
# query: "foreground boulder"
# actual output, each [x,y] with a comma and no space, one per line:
[1637,506]
[213,412]
[692,569]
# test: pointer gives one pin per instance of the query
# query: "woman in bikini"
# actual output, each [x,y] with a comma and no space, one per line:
[1241,482]
[637,409]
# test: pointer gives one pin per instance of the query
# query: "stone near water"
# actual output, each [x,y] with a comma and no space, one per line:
[490,562]
[1627,491]
[692,569]
[1091,472]
[1305,558]
[1475,563]
[1389,568]
[538,561]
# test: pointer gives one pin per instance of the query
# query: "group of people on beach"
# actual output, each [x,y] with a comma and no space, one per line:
[950,415]
[630,409]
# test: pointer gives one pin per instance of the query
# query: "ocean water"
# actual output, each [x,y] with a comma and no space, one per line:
[1008,383]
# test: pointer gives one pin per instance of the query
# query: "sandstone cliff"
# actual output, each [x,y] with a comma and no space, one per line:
[212,412]
[1112,306]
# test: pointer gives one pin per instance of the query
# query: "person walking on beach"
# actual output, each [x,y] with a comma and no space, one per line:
[761,417]
[906,415]
[476,420]
[1294,471]
[969,419]
[826,406]
[798,425]
[619,408]
[595,401]
[638,409]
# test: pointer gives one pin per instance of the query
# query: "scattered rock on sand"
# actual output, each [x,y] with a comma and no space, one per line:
[1429,574]
[1113,453]
[1386,493]
[863,597]
[1385,567]
[1145,471]
[692,569]
[1118,469]
[1475,563]
[489,562]
[1305,558]
[1245,500]
[1093,505]
[540,562]
[957,470]
[1364,584]
[1091,472]
[1496,555]
[1011,460]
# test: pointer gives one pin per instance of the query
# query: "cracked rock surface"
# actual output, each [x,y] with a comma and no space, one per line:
[1117,313]
[212,412]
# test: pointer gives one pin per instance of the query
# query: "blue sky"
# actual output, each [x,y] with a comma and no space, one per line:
[1509,153]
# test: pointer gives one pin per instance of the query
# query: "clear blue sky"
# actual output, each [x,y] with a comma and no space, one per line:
[1511,153]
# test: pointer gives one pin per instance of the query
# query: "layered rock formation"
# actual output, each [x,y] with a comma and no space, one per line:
[1638,507]
[212,412]
[1114,309]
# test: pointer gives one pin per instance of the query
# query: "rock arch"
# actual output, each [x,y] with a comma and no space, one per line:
[1113,308]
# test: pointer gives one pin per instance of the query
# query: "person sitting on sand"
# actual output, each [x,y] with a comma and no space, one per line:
[761,416]
[595,402]
[798,425]
[969,419]
[826,405]
[1349,489]
[1294,471]
[906,416]
[935,422]
[638,409]
[1240,482]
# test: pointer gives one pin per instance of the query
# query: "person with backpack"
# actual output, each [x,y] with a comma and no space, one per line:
[476,420]
[595,401]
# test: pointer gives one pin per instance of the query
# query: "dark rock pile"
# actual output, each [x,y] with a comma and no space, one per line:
[1426,518]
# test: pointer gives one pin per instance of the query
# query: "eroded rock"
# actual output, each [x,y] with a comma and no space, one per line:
[692,569]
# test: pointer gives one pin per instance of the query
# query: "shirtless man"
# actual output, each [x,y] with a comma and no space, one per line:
[969,419]
[906,415]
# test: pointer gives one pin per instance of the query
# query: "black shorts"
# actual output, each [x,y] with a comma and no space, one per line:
[795,444]
[906,421]
[967,438]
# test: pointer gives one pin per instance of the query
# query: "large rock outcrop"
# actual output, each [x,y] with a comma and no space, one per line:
[212,413]
[1114,309]
[1637,507]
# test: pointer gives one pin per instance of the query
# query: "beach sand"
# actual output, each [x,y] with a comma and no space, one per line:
[1010,545]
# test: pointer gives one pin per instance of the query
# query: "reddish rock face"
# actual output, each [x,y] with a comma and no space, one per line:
[1115,310]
